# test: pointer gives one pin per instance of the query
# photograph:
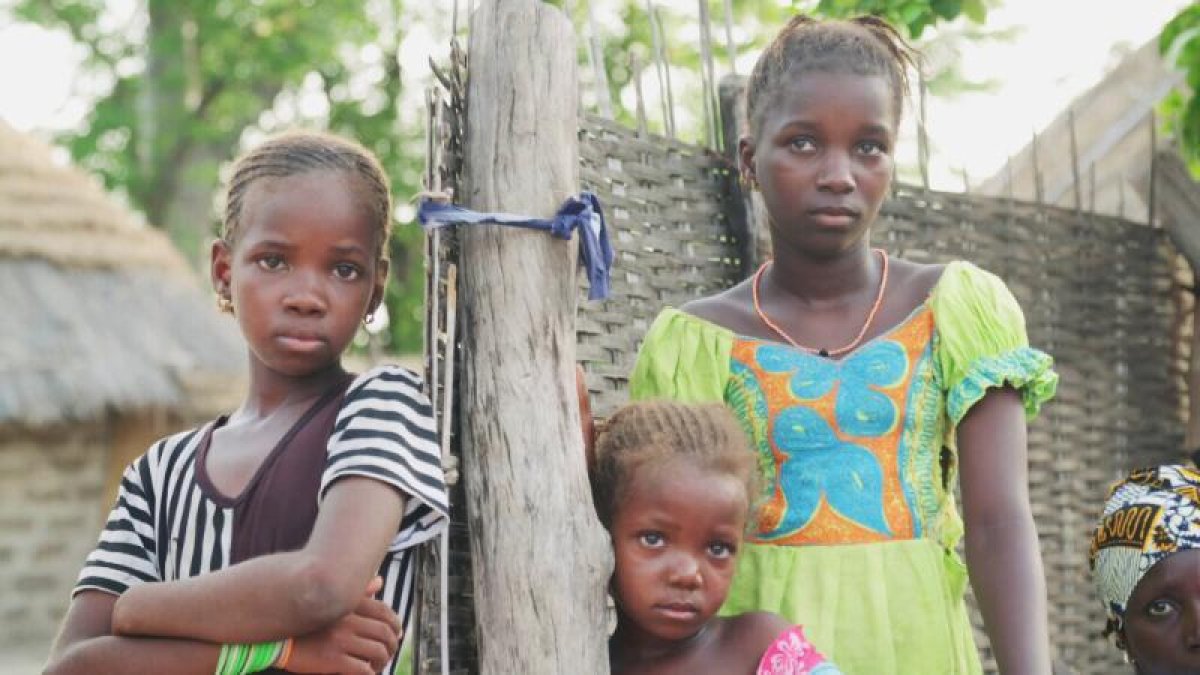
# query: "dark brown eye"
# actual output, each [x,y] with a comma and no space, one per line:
[651,539]
[270,262]
[346,271]
[1160,608]
[802,144]
[720,549]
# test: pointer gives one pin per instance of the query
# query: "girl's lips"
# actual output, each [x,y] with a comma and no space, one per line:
[833,218]
[301,343]
[677,611]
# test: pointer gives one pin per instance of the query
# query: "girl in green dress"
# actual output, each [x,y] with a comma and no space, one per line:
[868,385]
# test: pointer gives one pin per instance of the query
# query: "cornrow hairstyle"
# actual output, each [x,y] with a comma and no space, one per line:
[650,434]
[864,45]
[298,152]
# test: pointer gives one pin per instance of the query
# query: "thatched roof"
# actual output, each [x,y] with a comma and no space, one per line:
[100,312]
[1113,123]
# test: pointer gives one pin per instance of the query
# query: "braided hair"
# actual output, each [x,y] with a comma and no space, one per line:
[865,45]
[650,434]
[298,152]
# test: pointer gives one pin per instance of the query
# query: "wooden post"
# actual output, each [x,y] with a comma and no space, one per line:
[922,132]
[749,223]
[1074,161]
[1039,191]
[541,559]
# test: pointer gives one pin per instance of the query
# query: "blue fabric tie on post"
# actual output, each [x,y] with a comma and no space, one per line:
[581,213]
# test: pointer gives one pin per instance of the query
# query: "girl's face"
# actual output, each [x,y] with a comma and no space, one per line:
[1162,619]
[675,536]
[823,158]
[302,273]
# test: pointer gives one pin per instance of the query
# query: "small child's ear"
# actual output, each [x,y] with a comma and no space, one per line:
[746,172]
[380,287]
[219,266]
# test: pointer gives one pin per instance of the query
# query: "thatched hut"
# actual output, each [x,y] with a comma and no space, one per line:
[106,343]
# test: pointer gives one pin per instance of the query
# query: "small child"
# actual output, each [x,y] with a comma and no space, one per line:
[1145,560]
[673,484]
[279,537]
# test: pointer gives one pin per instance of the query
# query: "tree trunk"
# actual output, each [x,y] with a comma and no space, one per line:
[541,560]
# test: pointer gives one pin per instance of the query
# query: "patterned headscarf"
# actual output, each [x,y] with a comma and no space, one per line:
[1148,516]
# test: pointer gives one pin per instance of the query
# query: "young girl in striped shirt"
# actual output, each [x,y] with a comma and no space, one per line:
[278,537]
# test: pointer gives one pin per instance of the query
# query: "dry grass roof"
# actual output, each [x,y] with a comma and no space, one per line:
[101,313]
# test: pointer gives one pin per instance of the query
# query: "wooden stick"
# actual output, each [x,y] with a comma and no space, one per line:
[707,86]
[1121,196]
[635,71]
[730,46]
[1153,167]
[448,461]
[660,67]
[661,47]
[1074,161]
[1092,187]
[922,131]
[1038,188]
[603,95]
[1009,191]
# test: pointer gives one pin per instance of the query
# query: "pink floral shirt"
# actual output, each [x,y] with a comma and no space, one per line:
[792,654]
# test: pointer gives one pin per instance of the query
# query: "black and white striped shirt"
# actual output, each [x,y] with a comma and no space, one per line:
[166,524]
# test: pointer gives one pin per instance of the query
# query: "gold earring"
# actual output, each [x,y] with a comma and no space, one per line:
[224,304]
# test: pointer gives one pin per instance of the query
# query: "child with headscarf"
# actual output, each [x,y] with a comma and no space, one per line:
[1145,561]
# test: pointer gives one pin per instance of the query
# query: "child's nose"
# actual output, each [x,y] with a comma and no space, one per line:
[685,572]
[305,297]
[835,175]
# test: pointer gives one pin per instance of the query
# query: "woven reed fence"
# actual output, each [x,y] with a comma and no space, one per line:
[1099,293]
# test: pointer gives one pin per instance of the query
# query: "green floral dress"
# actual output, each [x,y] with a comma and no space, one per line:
[855,534]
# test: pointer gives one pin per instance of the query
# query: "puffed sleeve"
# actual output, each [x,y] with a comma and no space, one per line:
[683,358]
[983,344]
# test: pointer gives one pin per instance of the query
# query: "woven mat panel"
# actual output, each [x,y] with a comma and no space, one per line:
[665,204]
[1098,295]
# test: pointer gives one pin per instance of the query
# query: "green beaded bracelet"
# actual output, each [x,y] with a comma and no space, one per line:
[246,659]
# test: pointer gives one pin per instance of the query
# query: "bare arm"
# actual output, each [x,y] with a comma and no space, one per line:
[283,594]
[85,645]
[1001,540]
[586,422]
[360,643]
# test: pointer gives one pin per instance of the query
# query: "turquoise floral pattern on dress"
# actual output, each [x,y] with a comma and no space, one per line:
[818,463]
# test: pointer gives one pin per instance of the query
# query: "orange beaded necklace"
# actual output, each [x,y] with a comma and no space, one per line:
[754,286]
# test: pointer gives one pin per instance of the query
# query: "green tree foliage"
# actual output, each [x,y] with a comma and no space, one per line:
[912,16]
[1180,41]
[189,77]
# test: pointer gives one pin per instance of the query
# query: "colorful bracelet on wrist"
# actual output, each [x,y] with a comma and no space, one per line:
[285,654]
[246,659]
